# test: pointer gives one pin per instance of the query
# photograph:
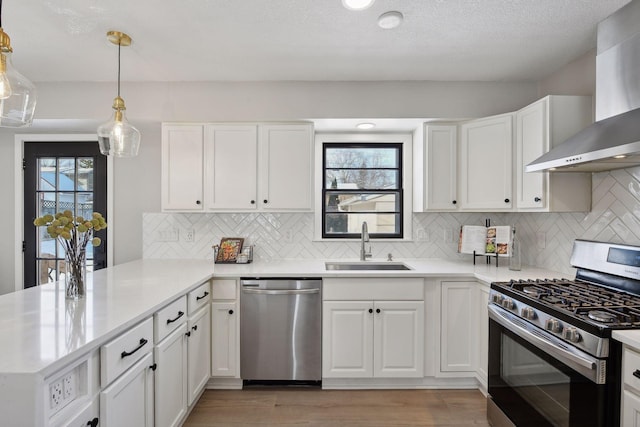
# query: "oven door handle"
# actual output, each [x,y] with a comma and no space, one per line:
[572,357]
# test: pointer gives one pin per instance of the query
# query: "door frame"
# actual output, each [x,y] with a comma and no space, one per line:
[20,139]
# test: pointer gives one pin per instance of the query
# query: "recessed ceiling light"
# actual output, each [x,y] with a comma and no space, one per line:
[365,126]
[390,20]
[357,4]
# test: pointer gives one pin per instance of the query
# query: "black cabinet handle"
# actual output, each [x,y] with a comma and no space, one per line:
[230,311]
[454,202]
[206,294]
[253,202]
[180,314]
[129,353]
[153,367]
[198,202]
[265,201]
[194,328]
[188,334]
[371,310]
[507,200]
[636,373]
[537,199]
[377,310]
[93,423]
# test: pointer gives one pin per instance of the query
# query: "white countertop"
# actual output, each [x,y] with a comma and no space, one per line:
[40,331]
[628,337]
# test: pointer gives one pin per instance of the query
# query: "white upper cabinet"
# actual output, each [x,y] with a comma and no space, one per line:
[182,147]
[486,172]
[231,155]
[286,167]
[539,127]
[237,167]
[439,164]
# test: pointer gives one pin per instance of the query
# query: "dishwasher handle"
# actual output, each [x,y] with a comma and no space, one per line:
[281,291]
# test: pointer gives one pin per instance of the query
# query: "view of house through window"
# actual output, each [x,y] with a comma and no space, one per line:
[362,182]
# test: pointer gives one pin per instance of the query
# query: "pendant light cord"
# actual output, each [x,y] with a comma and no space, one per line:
[119,45]
[0,13]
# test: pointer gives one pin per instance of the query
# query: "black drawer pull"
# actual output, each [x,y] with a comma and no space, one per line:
[153,367]
[194,327]
[188,334]
[129,353]
[180,314]
[454,202]
[230,311]
[636,373]
[507,200]
[265,201]
[536,199]
[93,423]
[198,202]
[206,294]
[377,310]
[371,310]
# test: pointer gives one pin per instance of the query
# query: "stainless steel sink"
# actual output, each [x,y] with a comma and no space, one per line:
[366,266]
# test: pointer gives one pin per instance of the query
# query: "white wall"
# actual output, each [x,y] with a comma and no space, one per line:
[80,107]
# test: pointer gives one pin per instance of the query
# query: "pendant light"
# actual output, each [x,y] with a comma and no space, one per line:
[17,93]
[117,137]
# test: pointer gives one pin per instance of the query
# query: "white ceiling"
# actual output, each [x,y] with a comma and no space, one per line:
[244,40]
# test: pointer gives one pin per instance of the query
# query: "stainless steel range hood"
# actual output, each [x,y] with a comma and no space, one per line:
[613,141]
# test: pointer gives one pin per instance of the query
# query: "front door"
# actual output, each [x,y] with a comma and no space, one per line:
[61,176]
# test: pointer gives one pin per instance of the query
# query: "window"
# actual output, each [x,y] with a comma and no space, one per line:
[362,181]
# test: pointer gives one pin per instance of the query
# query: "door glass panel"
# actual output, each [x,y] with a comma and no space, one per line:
[85,205]
[46,174]
[66,174]
[543,386]
[85,174]
[66,201]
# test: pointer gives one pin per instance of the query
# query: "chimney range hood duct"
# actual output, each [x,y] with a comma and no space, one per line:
[613,141]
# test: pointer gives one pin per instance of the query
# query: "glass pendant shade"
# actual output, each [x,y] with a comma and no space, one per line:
[17,93]
[118,137]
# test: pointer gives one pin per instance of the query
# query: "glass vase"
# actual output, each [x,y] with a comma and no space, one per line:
[75,274]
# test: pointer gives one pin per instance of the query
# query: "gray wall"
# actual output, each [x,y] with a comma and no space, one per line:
[80,107]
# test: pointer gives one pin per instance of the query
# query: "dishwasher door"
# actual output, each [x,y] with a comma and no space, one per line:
[281,330]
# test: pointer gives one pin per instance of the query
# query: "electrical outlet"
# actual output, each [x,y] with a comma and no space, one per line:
[69,386]
[422,235]
[55,394]
[167,235]
[189,235]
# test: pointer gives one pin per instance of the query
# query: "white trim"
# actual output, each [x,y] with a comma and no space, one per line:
[19,199]
[407,176]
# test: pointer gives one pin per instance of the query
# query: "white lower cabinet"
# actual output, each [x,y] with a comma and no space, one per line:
[171,378]
[631,388]
[88,417]
[128,401]
[224,339]
[483,334]
[199,352]
[373,338]
[459,327]
[630,409]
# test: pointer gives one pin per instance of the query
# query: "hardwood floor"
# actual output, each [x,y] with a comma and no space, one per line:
[315,407]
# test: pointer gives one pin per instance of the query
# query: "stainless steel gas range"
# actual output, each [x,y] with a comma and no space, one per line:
[552,361]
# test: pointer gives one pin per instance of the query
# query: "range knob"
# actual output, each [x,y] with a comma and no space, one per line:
[571,334]
[528,313]
[508,304]
[553,325]
[497,299]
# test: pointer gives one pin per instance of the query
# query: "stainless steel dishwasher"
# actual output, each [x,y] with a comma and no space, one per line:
[280,330]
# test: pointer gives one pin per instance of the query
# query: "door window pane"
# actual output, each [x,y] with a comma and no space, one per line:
[85,174]
[66,174]
[46,174]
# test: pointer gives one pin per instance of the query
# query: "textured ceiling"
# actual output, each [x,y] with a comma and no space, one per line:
[243,40]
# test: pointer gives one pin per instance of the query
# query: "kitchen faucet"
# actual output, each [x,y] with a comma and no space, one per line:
[365,238]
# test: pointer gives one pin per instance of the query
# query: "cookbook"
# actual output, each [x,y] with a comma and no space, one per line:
[493,240]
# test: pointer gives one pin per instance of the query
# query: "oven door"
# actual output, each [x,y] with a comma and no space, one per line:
[537,380]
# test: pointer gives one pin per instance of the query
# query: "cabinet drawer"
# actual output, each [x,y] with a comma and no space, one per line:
[199,297]
[223,289]
[169,318]
[631,364]
[124,351]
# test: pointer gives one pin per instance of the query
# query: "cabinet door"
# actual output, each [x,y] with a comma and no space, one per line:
[224,339]
[630,409]
[128,401]
[231,164]
[398,339]
[441,167]
[532,141]
[486,164]
[86,417]
[286,167]
[458,323]
[171,379]
[483,333]
[182,167]
[199,352]
[347,339]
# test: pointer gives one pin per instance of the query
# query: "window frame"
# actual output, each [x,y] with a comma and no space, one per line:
[406,179]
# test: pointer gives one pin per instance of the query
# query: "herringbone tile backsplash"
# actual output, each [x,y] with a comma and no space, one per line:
[546,238]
